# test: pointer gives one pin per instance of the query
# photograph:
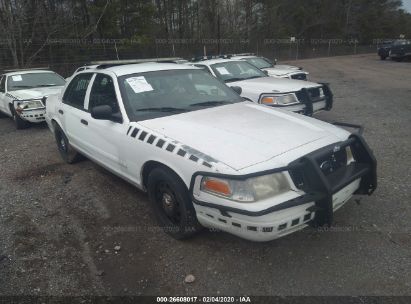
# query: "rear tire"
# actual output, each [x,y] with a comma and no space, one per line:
[171,204]
[67,152]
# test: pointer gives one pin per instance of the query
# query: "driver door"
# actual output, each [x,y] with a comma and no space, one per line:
[105,138]
[3,98]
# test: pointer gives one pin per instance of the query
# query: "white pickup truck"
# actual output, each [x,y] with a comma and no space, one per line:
[293,95]
[205,156]
[23,94]
[274,70]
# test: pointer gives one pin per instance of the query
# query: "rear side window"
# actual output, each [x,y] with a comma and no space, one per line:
[3,84]
[76,91]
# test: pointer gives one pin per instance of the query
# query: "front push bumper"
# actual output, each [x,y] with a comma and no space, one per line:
[309,105]
[323,194]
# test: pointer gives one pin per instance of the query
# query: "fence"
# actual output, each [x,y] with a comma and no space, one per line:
[65,55]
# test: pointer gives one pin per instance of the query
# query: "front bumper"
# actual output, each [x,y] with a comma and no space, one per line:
[272,225]
[36,115]
[315,104]
[323,195]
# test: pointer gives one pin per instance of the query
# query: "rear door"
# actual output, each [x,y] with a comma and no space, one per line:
[73,113]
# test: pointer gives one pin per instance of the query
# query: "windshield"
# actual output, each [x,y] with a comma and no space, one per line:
[259,62]
[236,70]
[34,80]
[162,93]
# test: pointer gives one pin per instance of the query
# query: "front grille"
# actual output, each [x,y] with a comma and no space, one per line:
[300,76]
[328,164]
[332,162]
[315,93]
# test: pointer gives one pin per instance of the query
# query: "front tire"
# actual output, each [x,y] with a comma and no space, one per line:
[383,57]
[18,122]
[171,203]
[67,152]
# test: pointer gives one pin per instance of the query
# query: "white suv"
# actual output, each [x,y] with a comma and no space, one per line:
[205,156]
[23,94]
[293,95]
[274,70]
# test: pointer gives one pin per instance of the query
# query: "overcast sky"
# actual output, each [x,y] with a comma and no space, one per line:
[407,5]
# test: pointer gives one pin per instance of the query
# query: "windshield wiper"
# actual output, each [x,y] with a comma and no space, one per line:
[47,85]
[162,109]
[22,86]
[253,77]
[209,103]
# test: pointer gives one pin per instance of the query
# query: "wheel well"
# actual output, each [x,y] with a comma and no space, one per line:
[149,166]
[55,124]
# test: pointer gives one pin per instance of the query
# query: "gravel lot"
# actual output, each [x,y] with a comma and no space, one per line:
[60,223]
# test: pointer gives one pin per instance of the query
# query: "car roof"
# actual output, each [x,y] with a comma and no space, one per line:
[214,61]
[19,72]
[127,69]
[244,57]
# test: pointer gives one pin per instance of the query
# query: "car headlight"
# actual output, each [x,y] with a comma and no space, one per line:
[283,99]
[246,191]
[29,104]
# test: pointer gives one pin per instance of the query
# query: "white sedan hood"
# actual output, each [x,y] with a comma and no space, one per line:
[35,93]
[282,71]
[243,134]
[286,67]
[270,84]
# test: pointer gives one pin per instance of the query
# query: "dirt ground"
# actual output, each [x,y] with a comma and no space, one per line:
[59,223]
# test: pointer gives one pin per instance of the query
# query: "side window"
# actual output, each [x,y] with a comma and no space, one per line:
[76,91]
[3,84]
[103,93]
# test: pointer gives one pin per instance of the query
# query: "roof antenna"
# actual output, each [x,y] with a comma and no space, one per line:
[115,46]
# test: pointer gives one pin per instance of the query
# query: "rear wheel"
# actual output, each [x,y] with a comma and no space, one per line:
[171,203]
[67,152]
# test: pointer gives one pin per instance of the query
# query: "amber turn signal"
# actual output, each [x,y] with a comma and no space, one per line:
[216,186]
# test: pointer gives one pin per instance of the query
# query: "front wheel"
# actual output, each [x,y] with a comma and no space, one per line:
[171,203]
[18,122]
[67,152]
[383,57]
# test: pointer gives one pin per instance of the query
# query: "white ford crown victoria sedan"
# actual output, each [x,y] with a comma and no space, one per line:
[293,95]
[206,157]
[23,94]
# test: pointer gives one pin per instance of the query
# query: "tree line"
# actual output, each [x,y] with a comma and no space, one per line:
[58,31]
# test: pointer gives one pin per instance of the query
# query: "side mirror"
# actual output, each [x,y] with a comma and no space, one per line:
[104,112]
[238,90]
[265,72]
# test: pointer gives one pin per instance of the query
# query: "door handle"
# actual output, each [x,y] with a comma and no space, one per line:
[84,122]
[61,112]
